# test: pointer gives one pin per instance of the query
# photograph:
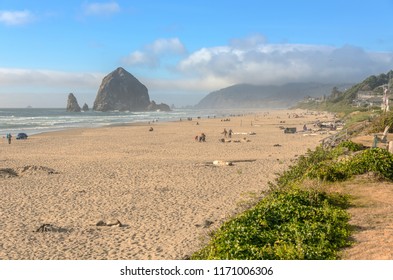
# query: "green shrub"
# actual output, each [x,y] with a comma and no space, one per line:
[329,171]
[375,160]
[338,164]
[295,224]
[296,173]
[319,164]
[351,146]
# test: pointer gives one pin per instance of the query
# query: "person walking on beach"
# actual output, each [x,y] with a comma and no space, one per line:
[9,137]
[225,132]
[230,133]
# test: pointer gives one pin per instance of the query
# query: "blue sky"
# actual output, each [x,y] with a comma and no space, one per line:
[182,50]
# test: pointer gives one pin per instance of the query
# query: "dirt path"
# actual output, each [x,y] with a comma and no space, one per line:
[372,219]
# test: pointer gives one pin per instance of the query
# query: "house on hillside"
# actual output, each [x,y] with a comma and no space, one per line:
[367,99]
[311,99]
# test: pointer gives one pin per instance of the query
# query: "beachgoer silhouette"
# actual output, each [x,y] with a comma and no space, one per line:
[9,137]
[230,133]
[225,132]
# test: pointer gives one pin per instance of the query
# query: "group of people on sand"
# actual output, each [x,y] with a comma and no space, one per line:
[227,133]
[201,138]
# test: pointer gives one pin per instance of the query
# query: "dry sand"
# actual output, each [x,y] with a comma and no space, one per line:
[161,185]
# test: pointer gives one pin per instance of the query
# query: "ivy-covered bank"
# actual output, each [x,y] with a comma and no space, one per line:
[298,222]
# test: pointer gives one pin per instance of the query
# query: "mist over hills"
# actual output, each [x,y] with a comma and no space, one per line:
[265,96]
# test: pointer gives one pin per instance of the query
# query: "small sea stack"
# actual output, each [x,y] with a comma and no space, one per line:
[72,104]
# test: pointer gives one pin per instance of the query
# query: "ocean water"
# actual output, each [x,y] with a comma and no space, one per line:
[35,120]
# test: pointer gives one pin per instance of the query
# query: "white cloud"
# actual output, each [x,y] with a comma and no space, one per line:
[22,87]
[248,42]
[48,79]
[16,17]
[166,46]
[253,60]
[152,54]
[283,63]
[141,58]
[101,9]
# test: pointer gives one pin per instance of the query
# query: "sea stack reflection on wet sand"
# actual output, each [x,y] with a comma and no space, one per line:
[125,192]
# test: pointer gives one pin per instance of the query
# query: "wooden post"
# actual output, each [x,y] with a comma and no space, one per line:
[375,141]
[390,147]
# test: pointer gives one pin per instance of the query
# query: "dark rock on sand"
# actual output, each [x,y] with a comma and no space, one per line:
[206,224]
[50,228]
[33,169]
[8,173]
[113,224]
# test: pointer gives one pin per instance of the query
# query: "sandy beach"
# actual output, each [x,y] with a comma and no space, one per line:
[161,185]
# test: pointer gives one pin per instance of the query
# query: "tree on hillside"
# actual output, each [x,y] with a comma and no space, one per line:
[335,93]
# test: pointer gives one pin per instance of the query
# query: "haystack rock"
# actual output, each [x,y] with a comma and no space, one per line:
[121,91]
[72,104]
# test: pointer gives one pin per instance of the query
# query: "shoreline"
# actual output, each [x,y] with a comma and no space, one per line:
[161,185]
[104,118]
